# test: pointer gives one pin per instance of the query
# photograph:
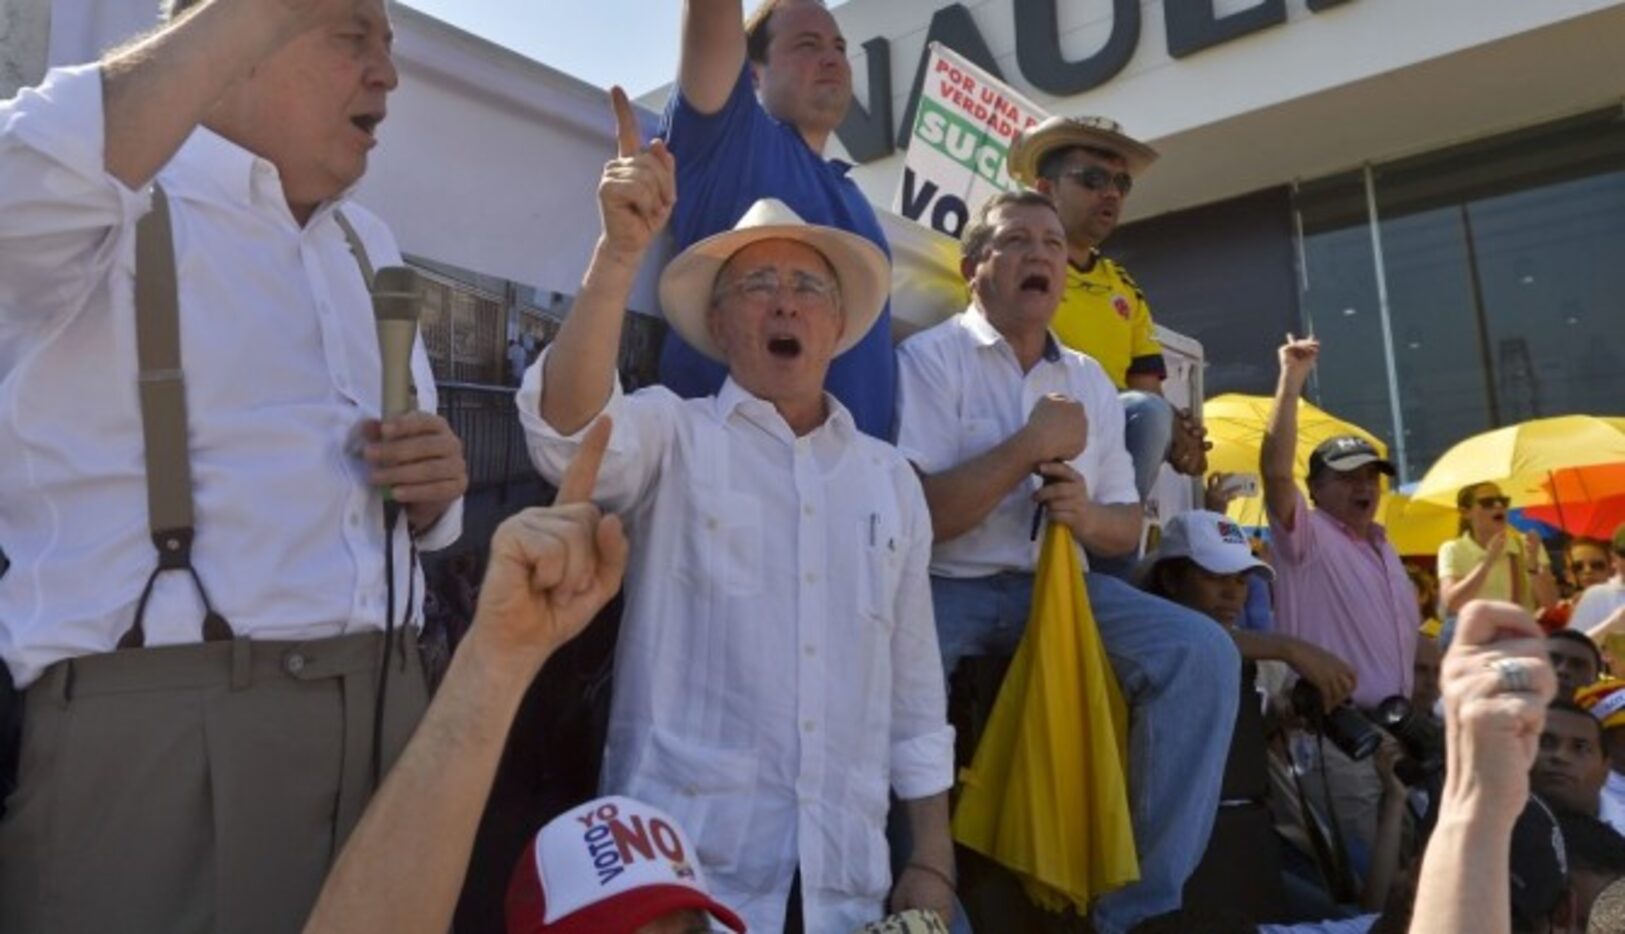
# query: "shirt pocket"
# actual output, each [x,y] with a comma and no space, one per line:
[863,867]
[724,542]
[709,790]
[977,437]
[880,561]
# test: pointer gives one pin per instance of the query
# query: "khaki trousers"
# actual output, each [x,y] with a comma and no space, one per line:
[200,788]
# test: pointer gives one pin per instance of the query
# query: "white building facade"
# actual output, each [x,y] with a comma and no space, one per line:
[1435,188]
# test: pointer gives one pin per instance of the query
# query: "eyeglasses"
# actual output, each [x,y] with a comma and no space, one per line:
[764,288]
[1494,502]
[1095,178]
[1589,566]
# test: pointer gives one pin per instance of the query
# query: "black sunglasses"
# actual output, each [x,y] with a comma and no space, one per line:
[1096,178]
[1495,502]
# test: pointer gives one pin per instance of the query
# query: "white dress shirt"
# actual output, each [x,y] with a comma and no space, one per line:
[1612,811]
[281,362]
[778,665]
[1597,603]
[961,392]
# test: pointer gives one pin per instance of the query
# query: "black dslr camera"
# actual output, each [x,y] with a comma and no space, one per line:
[1421,736]
[1348,730]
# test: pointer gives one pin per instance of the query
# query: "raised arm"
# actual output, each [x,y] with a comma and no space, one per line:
[1542,582]
[1496,682]
[964,495]
[635,200]
[1456,592]
[1276,456]
[1332,676]
[713,52]
[551,570]
[156,92]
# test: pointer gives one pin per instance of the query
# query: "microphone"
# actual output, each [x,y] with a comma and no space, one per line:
[397,293]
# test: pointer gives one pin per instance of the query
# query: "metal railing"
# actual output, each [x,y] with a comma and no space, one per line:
[485,418]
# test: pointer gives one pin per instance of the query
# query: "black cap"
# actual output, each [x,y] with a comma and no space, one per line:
[1539,870]
[1347,452]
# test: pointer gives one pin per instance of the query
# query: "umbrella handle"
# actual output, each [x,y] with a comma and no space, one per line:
[1038,513]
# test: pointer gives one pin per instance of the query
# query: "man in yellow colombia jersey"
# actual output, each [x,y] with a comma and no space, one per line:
[1088,165]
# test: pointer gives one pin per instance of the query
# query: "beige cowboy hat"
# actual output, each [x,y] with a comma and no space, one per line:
[1031,145]
[860,267]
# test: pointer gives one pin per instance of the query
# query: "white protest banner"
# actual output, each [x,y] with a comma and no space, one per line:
[956,153]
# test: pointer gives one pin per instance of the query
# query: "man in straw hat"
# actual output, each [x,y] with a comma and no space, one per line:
[1000,420]
[1089,166]
[777,669]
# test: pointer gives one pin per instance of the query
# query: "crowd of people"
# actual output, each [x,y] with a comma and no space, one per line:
[226,722]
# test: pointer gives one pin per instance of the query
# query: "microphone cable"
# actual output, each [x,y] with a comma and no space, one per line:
[393,632]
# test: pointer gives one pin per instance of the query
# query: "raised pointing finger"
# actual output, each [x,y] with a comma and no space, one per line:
[626,124]
[582,474]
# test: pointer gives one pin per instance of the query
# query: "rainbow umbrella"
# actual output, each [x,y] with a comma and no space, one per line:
[1525,459]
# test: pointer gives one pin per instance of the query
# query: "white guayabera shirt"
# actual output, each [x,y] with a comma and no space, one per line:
[777,667]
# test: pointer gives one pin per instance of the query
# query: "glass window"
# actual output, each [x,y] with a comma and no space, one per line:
[1506,290]
[1340,304]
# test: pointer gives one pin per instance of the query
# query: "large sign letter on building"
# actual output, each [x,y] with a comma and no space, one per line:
[1194,26]
[1038,48]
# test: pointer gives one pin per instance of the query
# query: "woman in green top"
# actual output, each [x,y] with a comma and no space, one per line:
[1490,560]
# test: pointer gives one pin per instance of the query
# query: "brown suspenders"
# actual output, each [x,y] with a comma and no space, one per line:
[162,388]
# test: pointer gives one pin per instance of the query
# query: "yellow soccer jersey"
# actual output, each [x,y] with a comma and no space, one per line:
[1105,315]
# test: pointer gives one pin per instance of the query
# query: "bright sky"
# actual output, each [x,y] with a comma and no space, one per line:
[632,43]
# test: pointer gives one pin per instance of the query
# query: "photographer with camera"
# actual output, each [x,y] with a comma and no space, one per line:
[1339,582]
[1204,563]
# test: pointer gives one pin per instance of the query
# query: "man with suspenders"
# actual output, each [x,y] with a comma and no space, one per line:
[201,577]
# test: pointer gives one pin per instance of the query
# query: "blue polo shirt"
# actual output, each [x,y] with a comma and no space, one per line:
[726,162]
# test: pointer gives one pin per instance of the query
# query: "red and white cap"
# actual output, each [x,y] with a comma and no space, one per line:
[609,866]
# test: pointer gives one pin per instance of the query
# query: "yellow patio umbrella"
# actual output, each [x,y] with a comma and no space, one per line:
[1417,529]
[1523,459]
[1235,424]
[1045,795]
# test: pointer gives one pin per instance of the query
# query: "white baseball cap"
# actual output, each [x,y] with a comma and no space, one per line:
[1215,542]
[609,866]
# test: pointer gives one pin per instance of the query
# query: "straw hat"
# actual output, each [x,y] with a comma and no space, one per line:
[861,268]
[1031,145]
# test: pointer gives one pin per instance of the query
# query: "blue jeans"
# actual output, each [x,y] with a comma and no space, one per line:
[1180,674]
[1148,429]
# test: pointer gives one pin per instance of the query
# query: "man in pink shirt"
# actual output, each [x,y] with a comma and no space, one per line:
[1339,583]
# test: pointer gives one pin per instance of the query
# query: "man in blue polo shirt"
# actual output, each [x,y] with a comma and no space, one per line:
[755,105]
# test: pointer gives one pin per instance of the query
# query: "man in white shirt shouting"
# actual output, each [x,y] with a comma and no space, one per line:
[777,668]
[203,660]
[1002,421]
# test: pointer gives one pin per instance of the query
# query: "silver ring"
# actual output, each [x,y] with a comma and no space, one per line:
[1514,676]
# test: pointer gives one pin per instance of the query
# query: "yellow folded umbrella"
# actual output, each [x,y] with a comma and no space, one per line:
[1524,459]
[1045,795]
